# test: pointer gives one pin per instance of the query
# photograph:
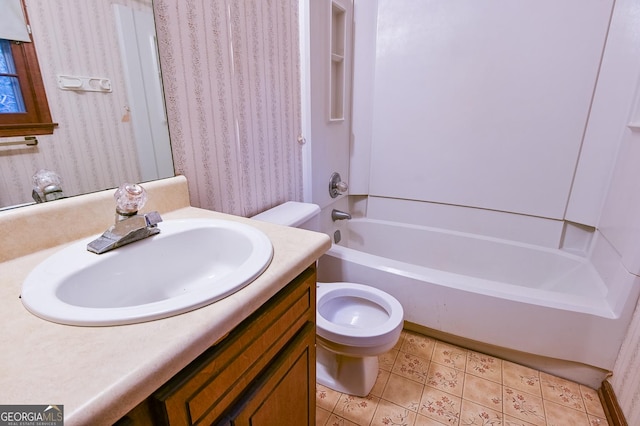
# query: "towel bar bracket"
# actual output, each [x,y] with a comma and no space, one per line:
[28,140]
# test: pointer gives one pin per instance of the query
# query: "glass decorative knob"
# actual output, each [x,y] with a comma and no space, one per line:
[47,186]
[130,198]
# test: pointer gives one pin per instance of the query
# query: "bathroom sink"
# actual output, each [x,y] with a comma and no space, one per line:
[190,264]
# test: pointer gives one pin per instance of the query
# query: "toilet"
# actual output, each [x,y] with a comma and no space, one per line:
[354,322]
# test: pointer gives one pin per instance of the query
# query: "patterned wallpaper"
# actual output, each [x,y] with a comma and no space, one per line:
[231,75]
[626,374]
[92,148]
[232,85]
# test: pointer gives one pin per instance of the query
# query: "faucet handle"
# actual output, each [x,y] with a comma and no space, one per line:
[152,218]
[46,186]
[342,187]
[130,198]
[337,186]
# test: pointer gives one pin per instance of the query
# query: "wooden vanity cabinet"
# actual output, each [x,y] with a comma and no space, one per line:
[262,373]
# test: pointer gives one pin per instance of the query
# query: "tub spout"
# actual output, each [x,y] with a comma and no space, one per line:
[339,215]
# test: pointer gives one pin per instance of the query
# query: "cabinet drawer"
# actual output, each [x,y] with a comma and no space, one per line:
[207,387]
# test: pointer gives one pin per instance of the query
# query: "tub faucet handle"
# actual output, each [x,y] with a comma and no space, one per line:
[337,186]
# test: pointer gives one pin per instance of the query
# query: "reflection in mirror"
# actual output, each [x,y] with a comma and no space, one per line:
[104,137]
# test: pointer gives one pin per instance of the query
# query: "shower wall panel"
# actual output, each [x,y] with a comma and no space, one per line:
[483,104]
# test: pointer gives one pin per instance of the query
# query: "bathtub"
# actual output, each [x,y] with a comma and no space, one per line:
[511,295]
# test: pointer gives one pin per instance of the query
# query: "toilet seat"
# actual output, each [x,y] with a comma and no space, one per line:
[383,315]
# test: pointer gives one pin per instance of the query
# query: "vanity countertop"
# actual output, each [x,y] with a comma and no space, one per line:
[100,373]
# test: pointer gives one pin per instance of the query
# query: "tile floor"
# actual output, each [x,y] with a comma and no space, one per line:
[423,381]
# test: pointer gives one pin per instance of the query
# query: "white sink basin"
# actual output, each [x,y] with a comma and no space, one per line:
[190,264]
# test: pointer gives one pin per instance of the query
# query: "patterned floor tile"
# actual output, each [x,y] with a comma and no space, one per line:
[521,378]
[524,406]
[386,361]
[512,421]
[426,421]
[440,406]
[381,382]
[425,382]
[388,413]
[561,391]
[446,379]
[597,421]
[326,398]
[417,344]
[411,366]
[335,420]
[592,402]
[483,392]
[478,415]
[559,415]
[403,392]
[449,355]
[322,416]
[356,409]
[400,341]
[484,366]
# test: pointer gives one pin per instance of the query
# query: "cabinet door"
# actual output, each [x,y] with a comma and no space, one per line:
[285,393]
[211,384]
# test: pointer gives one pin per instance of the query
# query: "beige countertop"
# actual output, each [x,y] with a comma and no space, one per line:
[100,373]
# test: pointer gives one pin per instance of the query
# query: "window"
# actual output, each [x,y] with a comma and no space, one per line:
[24,110]
[10,94]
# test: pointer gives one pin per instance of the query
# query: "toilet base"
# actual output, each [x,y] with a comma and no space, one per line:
[346,374]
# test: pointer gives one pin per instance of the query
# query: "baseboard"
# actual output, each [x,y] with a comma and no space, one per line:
[612,409]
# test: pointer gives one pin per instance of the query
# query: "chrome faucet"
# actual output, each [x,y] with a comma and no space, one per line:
[339,215]
[130,226]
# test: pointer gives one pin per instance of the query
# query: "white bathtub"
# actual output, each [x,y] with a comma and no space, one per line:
[522,297]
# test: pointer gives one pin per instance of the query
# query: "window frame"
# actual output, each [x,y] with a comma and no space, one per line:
[37,118]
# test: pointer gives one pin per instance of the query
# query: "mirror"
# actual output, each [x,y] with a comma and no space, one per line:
[108,133]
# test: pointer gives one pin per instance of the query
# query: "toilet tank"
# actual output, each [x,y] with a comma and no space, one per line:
[294,214]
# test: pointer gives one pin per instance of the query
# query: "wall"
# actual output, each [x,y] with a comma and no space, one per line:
[330,74]
[619,222]
[626,374]
[473,106]
[232,85]
[620,226]
[92,147]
